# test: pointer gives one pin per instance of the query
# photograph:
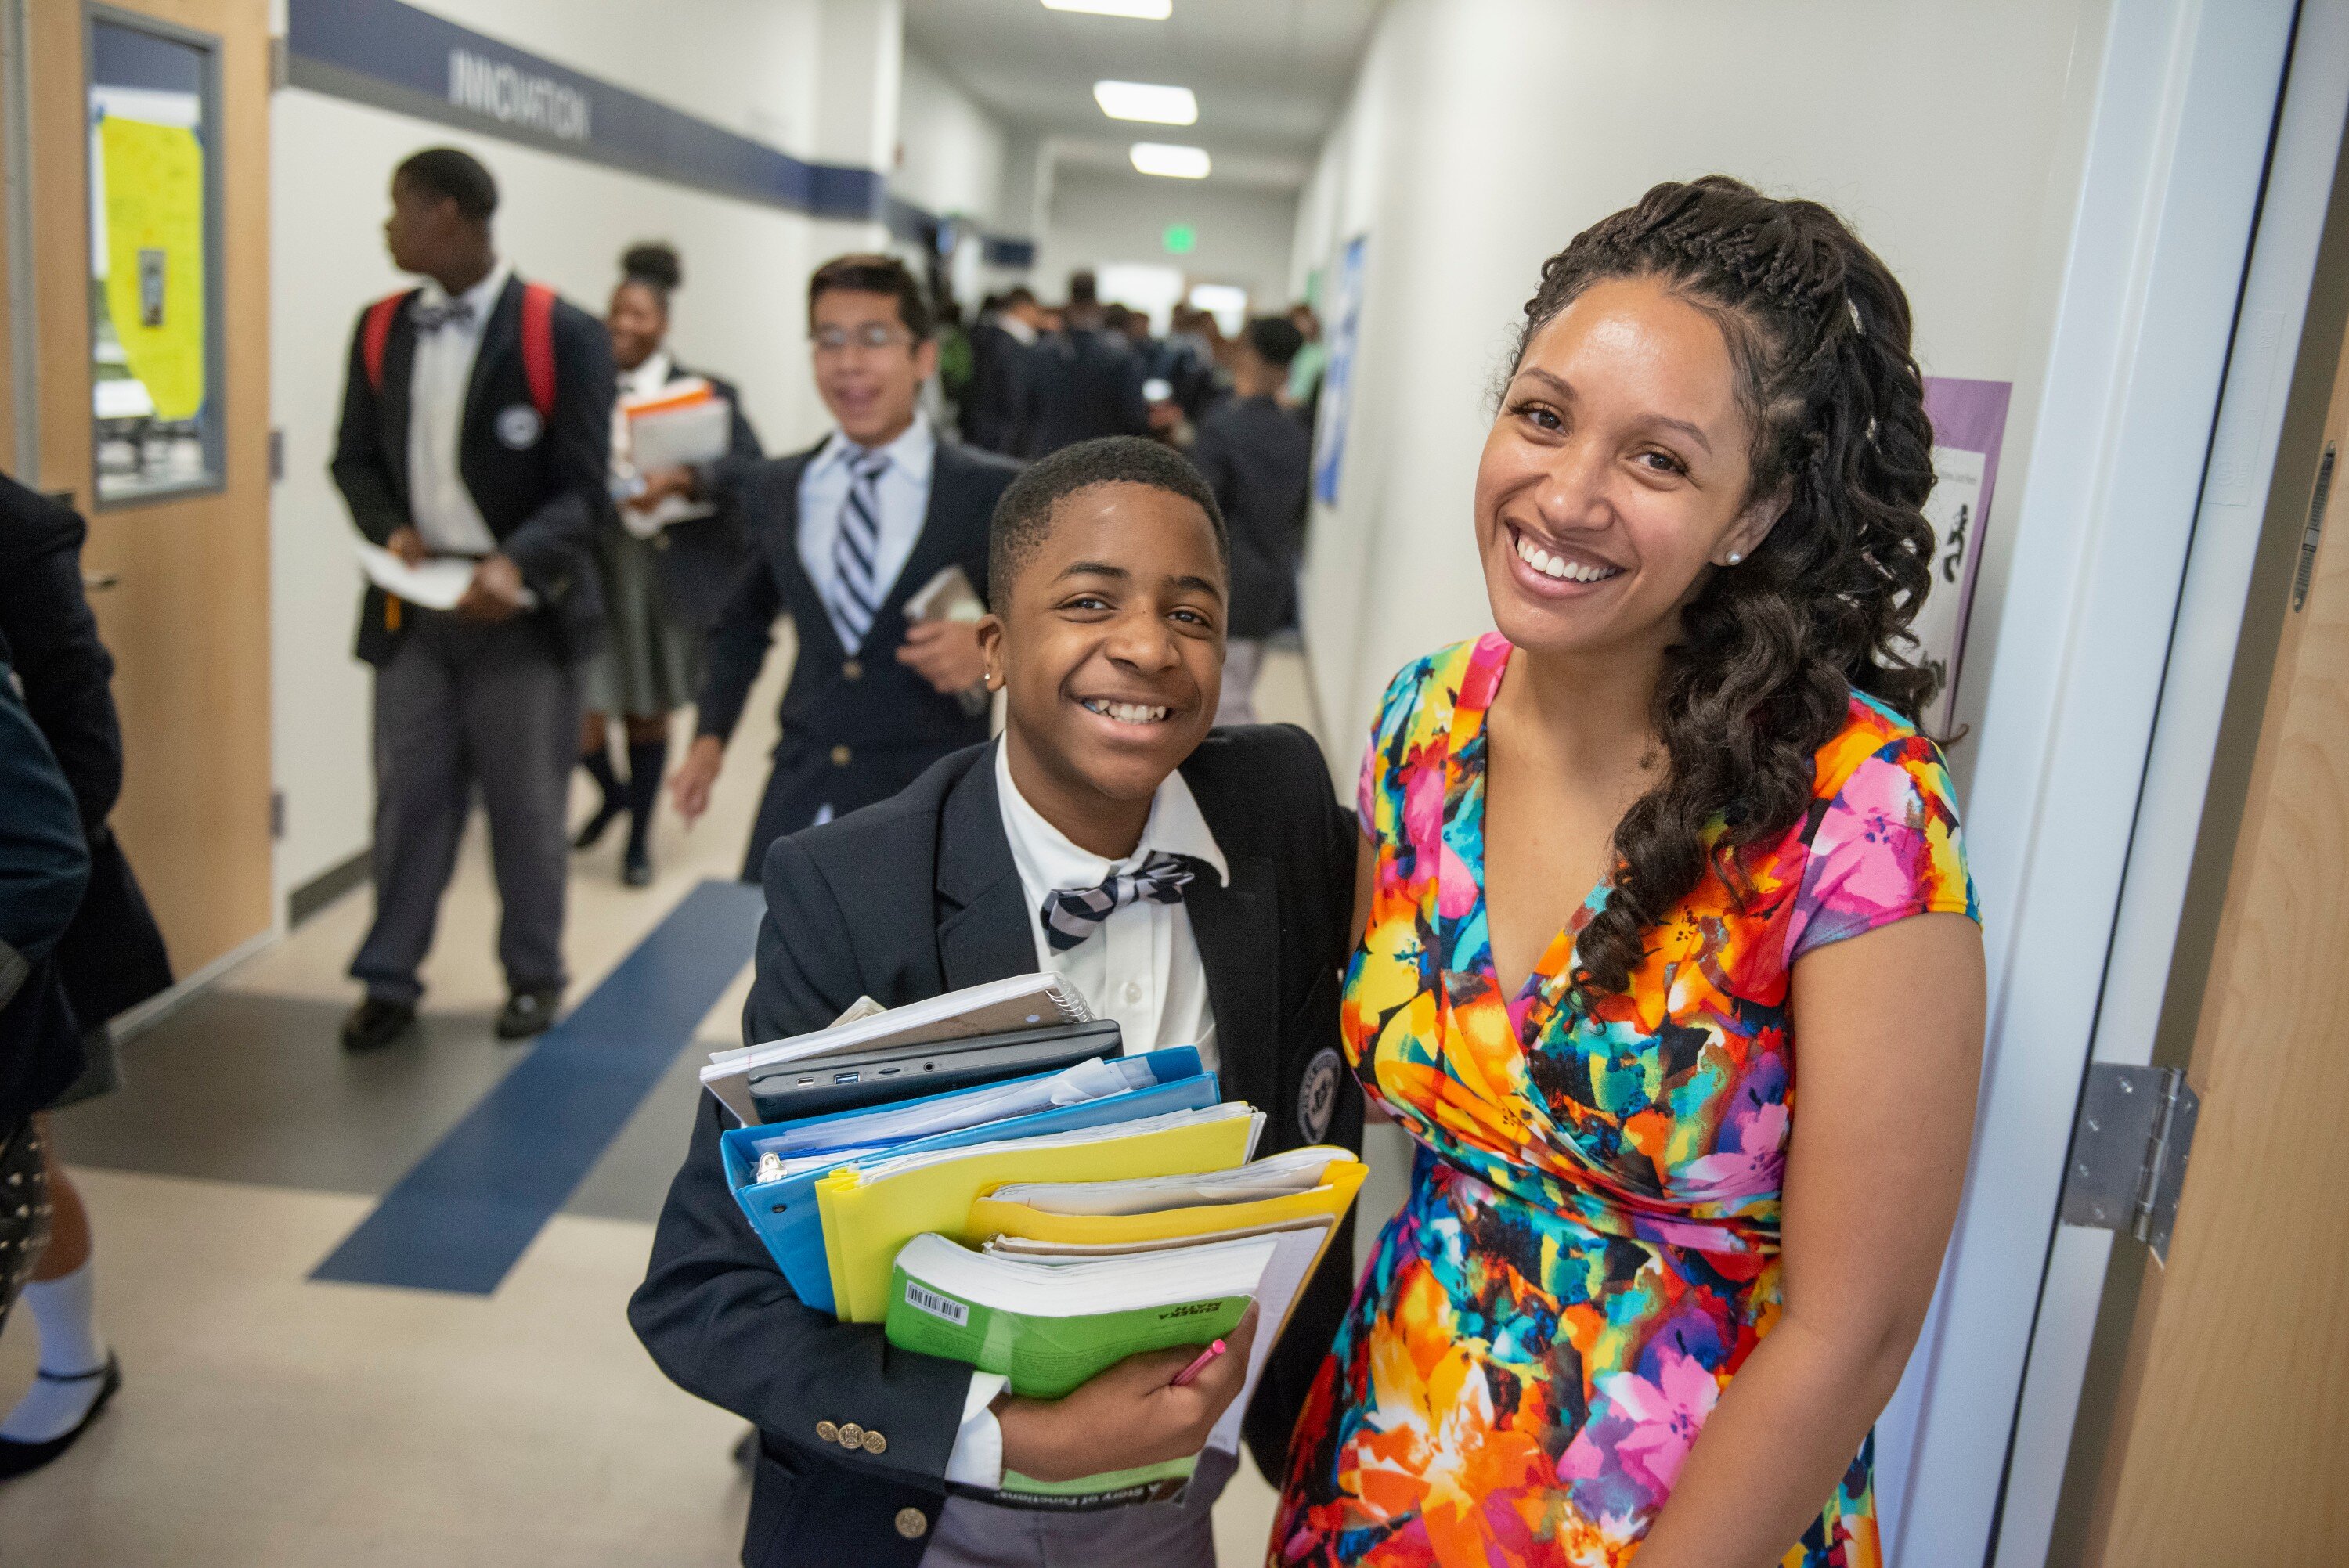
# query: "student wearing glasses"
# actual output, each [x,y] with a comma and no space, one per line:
[842,533]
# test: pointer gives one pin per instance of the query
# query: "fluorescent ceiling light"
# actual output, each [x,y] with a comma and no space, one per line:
[1140,10]
[1174,163]
[1144,100]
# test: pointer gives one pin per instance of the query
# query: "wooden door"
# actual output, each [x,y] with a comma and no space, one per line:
[2229,1440]
[179,576]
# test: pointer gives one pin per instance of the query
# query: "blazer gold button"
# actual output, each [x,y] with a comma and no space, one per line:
[852,1436]
[660,540]
[913,1523]
[825,1432]
[875,1443]
[840,756]
[851,670]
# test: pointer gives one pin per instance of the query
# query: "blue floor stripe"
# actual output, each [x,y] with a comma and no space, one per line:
[459,1219]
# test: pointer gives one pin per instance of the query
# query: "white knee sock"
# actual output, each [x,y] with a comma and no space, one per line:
[66,1312]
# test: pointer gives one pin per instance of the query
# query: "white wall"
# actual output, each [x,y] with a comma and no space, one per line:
[1470,150]
[748,64]
[1097,217]
[951,152]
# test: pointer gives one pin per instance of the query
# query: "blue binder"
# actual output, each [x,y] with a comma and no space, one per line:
[784,1213]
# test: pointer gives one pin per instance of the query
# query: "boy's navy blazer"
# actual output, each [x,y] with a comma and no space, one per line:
[916,896]
[543,501]
[871,700]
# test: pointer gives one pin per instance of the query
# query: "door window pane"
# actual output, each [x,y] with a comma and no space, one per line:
[153,251]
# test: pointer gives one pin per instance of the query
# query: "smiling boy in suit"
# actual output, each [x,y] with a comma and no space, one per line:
[1196,887]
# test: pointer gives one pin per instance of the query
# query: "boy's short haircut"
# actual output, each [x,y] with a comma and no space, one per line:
[1275,340]
[451,175]
[1023,518]
[872,274]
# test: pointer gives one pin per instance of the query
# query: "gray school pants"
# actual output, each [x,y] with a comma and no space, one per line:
[973,1534]
[464,704]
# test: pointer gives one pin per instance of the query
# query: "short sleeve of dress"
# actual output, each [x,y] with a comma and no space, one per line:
[1394,717]
[1887,847]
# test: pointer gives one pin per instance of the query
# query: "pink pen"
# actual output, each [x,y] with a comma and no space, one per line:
[1183,1379]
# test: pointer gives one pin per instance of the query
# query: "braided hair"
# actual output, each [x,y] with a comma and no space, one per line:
[1769,652]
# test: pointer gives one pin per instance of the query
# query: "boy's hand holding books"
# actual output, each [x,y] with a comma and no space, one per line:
[1132,1415]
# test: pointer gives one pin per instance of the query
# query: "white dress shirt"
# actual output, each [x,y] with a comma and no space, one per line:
[1141,967]
[438,377]
[905,492]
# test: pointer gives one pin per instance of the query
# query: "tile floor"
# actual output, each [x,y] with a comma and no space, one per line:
[270,1420]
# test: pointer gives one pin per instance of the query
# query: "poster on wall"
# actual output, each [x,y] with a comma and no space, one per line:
[153,339]
[1341,320]
[1968,423]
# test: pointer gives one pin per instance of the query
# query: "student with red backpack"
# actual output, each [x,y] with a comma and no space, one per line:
[476,423]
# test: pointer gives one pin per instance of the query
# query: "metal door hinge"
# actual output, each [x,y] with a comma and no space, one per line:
[2128,1162]
[278,813]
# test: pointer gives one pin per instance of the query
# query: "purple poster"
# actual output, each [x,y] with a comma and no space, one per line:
[1969,422]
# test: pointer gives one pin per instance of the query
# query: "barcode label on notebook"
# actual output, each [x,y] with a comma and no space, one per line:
[937,1305]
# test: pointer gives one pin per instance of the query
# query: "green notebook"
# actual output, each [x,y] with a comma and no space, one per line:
[1050,1326]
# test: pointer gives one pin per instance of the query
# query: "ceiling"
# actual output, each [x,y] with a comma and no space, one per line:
[1270,75]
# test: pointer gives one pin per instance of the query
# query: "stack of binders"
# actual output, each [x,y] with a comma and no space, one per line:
[948,1169]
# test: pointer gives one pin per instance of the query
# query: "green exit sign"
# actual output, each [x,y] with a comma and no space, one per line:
[1181,239]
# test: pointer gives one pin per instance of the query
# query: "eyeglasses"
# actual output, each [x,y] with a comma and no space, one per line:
[872,334]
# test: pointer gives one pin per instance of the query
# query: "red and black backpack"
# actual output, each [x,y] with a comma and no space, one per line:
[537,363]
[537,342]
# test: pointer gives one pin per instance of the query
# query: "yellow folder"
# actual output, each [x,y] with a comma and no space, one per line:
[1341,1180]
[1320,1207]
[866,1221]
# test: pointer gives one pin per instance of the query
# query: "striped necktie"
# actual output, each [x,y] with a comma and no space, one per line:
[856,587]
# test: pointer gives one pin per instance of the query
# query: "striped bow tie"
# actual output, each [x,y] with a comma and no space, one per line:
[1072,914]
[432,317]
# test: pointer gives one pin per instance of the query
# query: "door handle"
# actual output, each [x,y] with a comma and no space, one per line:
[99,582]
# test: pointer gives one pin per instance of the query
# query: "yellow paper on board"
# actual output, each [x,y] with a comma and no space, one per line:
[155,204]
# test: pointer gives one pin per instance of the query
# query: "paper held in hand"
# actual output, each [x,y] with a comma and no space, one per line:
[435,585]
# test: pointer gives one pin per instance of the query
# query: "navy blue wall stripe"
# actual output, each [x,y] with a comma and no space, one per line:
[396,57]
[461,1218]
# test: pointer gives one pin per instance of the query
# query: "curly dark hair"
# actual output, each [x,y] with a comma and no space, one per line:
[1771,651]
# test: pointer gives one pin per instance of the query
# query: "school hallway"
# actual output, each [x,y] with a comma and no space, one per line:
[370,1312]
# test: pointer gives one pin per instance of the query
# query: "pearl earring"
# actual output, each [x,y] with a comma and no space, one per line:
[1734,558]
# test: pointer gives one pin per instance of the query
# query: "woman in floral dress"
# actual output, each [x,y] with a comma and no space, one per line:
[1635,1304]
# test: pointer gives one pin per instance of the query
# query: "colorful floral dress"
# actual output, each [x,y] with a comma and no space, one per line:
[1589,1249]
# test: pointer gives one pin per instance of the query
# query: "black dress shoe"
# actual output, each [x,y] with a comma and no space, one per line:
[376,1023]
[527,1013]
[637,868]
[16,1459]
[597,826]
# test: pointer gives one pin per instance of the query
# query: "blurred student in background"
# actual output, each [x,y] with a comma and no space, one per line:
[666,568]
[477,425]
[844,534]
[1258,459]
[1001,345]
[109,959]
[44,865]
[1085,382]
